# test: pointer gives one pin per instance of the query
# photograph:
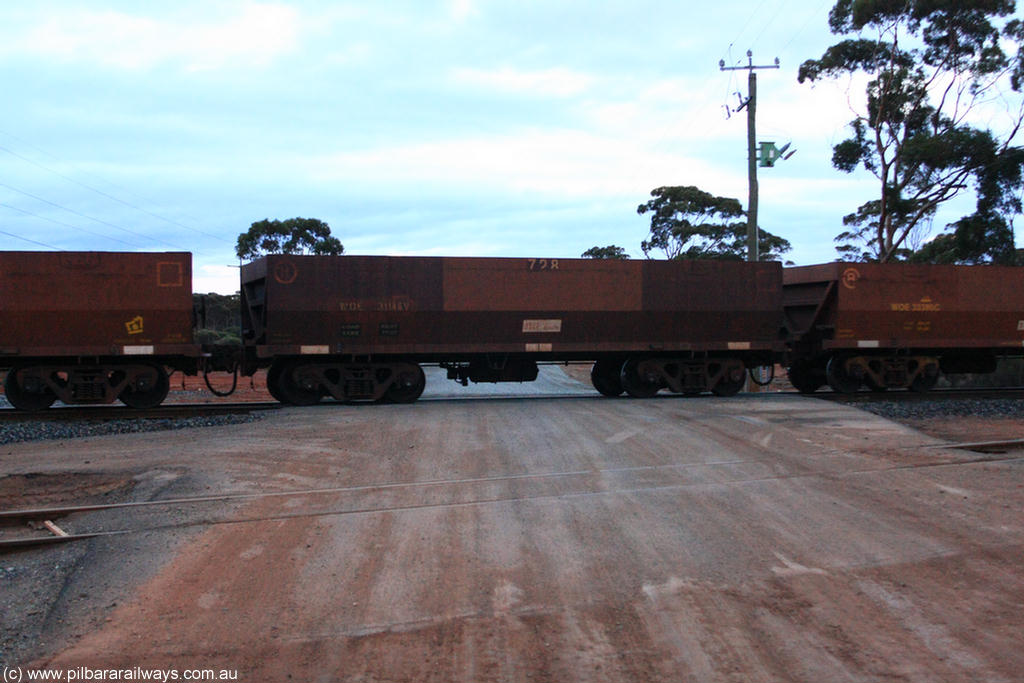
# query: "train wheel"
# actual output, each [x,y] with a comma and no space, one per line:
[274,383]
[925,380]
[804,378]
[149,394]
[408,385]
[297,387]
[635,382]
[838,378]
[606,378]
[26,400]
[729,386]
[873,385]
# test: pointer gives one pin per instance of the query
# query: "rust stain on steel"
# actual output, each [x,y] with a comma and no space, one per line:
[93,303]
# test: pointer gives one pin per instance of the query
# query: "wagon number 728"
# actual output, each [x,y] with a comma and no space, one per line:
[542,264]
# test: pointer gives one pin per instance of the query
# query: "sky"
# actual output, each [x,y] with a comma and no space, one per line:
[449,128]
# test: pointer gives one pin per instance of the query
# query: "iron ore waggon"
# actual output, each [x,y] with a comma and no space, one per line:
[899,325]
[94,327]
[360,327]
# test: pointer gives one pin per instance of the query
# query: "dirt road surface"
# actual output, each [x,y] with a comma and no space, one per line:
[567,538]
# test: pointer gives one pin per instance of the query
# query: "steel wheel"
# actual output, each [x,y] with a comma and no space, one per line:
[605,376]
[727,386]
[804,377]
[925,380]
[298,385]
[636,382]
[838,378]
[872,385]
[274,381]
[408,385]
[26,400]
[149,392]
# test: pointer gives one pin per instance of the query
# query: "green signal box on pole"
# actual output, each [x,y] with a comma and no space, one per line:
[768,154]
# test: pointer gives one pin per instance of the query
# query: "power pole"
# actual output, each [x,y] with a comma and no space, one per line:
[751,106]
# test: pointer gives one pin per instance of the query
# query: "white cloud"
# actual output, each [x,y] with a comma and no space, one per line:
[562,163]
[553,82]
[253,35]
[461,10]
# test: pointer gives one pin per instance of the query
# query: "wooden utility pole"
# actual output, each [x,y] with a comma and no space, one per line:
[752,157]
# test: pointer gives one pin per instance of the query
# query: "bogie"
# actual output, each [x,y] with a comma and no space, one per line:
[847,373]
[35,387]
[644,377]
[305,382]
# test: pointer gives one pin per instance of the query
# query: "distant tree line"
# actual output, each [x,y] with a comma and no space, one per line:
[219,318]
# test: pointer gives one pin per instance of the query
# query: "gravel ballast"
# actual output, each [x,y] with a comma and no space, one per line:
[14,432]
[925,409]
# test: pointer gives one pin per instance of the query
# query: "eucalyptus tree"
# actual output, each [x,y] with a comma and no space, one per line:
[689,223]
[291,236]
[940,114]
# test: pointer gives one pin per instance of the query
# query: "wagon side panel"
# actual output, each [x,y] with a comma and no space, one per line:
[95,303]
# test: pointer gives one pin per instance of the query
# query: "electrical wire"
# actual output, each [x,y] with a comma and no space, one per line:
[68,225]
[110,196]
[25,239]
[91,218]
[766,25]
[750,18]
[806,23]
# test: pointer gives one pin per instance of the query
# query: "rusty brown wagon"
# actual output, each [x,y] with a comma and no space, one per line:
[94,327]
[361,327]
[899,325]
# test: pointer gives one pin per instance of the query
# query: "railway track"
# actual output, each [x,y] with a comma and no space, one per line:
[181,410]
[33,527]
[1012,393]
[118,412]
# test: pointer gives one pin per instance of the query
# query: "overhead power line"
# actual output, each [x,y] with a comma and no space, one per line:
[68,225]
[91,218]
[110,196]
[25,239]
[810,17]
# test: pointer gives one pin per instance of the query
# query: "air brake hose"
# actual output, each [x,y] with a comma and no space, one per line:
[234,383]
[758,382]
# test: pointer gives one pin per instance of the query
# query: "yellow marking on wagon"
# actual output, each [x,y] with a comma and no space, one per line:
[924,305]
[135,326]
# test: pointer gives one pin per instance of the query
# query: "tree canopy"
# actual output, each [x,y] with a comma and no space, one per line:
[292,236]
[609,252]
[935,66]
[689,223]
